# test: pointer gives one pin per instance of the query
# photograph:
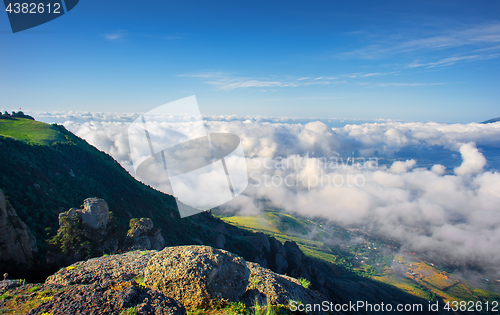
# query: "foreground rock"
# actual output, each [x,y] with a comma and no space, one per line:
[266,287]
[112,297]
[198,276]
[152,282]
[17,244]
[102,269]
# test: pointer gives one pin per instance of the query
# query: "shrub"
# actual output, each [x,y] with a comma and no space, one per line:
[129,311]
[32,289]
[236,308]
[305,283]
[132,224]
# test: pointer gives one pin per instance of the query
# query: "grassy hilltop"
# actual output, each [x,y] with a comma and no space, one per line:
[30,131]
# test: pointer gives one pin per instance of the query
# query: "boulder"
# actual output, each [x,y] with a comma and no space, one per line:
[141,227]
[101,269]
[157,241]
[112,297]
[71,214]
[92,227]
[144,236]
[266,286]
[198,276]
[95,213]
[17,244]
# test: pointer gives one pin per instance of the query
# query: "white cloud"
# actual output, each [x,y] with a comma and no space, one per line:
[453,60]
[116,35]
[438,169]
[399,167]
[483,36]
[226,81]
[399,84]
[453,215]
[473,160]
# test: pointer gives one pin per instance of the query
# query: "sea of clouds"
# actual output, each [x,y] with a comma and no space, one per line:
[351,173]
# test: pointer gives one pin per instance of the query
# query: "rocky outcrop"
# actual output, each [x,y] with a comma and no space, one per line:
[144,236]
[267,286]
[112,297]
[84,233]
[106,285]
[270,253]
[19,114]
[90,232]
[198,276]
[17,244]
[152,282]
[95,213]
[101,269]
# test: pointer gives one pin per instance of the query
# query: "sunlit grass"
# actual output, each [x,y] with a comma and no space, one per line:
[30,131]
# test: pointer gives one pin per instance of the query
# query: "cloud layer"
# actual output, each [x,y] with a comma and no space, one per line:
[309,169]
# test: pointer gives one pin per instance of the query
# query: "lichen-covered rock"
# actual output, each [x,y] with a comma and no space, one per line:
[101,269]
[21,299]
[17,244]
[267,286]
[6,285]
[111,297]
[143,235]
[141,226]
[198,276]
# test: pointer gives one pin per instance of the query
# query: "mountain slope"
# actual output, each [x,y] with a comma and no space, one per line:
[46,170]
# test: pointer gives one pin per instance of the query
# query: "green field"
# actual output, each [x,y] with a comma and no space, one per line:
[284,227]
[30,131]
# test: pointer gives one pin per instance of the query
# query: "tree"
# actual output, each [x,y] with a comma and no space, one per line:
[71,239]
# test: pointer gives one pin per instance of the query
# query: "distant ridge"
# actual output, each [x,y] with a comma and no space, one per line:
[489,121]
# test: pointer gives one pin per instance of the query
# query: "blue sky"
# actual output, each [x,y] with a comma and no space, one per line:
[410,60]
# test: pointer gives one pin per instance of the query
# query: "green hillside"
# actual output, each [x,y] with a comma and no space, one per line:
[30,131]
[285,227]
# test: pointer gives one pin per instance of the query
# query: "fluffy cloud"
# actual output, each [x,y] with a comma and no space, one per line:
[474,161]
[454,216]
[308,169]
